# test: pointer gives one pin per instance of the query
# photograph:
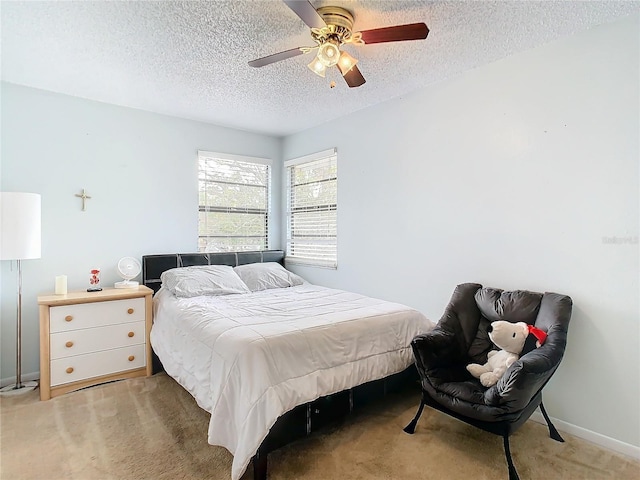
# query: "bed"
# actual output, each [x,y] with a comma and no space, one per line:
[272,358]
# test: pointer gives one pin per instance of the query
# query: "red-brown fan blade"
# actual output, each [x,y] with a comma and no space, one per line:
[306,12]
[399,33]
[353,77]
[276,57]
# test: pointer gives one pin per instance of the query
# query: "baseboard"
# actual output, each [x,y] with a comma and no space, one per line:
[593,437]
[26,377]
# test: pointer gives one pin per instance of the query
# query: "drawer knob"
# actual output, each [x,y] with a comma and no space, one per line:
[68,344]
[131,358]
[130,311]
[131,334]
[68,318]
[70,370]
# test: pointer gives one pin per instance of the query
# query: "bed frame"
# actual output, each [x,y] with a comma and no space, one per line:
[303,419]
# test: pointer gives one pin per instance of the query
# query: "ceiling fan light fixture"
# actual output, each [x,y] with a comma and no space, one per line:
[317,67]
[331,28]
[346,63]
[329,53]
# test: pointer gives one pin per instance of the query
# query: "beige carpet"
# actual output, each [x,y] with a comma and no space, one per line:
[150,428]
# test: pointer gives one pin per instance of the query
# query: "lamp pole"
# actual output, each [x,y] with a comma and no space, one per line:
[19,331]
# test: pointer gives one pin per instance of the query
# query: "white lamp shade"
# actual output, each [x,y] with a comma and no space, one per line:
[20,231]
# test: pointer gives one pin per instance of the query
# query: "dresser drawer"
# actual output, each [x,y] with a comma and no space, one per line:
[82,367]
[96,314]
[79,342]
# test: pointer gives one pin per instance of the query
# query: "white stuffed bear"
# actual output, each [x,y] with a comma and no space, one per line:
[510,338]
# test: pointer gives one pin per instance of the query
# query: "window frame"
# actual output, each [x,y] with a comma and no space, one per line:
[268,163]
[328,155]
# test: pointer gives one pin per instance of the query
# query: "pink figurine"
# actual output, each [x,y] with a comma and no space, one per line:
[94,280]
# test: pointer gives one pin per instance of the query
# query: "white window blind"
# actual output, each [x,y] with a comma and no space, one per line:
[312,209]
[233,206]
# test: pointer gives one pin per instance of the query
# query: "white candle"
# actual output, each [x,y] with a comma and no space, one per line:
[61,285]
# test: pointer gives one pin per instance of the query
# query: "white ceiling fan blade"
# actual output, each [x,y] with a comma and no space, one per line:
[306,12]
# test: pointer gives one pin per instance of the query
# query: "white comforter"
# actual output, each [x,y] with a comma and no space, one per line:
[249,358]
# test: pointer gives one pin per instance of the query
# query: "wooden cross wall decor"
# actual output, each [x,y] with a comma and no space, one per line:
[84,198]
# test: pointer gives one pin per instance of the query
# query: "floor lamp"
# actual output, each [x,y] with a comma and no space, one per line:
[19,240]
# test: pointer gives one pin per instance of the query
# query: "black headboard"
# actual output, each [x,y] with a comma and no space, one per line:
[154,265]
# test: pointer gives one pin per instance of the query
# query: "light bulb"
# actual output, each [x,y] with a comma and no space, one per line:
[317,67]
[329,53]
[346,63]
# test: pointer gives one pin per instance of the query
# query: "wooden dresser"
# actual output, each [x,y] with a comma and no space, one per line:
[88,338]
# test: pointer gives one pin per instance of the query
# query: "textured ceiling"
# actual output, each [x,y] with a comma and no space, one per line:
[189,59]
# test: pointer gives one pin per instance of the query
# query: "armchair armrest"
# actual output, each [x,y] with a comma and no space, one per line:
[448,342]
[437,348]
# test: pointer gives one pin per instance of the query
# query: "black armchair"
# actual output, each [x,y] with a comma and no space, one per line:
[461,338]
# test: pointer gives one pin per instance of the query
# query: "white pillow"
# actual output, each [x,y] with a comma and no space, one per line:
[263,276]
[203,280]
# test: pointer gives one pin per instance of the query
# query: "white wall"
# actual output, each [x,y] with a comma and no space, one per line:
[140,169]
[513,175]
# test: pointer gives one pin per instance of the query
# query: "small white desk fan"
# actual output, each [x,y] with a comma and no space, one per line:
[128,268]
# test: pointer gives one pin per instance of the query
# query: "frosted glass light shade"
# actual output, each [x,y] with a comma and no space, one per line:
[346,63]
[317,67]
[20,230]
[329,53]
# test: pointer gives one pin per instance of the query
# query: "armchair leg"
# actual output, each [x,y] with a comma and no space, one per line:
[553,433]
[513,474]
[411,428]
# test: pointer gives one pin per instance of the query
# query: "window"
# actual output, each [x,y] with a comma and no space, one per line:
[312,209]
[233,202]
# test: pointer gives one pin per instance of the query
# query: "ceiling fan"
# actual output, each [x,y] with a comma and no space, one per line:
[332,27]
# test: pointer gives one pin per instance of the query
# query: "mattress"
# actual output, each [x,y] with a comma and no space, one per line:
[249,358]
